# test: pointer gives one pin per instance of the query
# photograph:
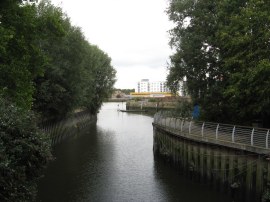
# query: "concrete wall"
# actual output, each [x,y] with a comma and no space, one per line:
[242,174]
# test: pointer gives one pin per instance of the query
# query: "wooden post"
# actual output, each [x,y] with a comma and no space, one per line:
[189,159]
[196,156]
[202,156]
[259,177]
[249,175]
[208,162]
[185,156]
[241,169]
[268,171]
[231,168]
[216,169]
[181,154]
[223,177]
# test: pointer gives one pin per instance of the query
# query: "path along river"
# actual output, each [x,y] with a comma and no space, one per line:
[114,162]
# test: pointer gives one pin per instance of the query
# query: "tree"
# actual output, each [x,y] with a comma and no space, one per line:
[222,51]
[126,91]
[103,79]
[21,58]
[245,40]
[77,75]
[197,54]
[48,66]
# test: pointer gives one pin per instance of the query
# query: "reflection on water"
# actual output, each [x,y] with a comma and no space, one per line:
[114,161]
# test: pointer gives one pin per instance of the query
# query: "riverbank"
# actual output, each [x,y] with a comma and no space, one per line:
[153,105]
[69,127]
[117,100]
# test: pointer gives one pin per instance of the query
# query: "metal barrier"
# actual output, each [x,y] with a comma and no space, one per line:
[61,130]
[255,137]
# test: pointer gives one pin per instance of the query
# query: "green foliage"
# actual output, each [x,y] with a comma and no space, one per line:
[224,53]
[138,99]
[24,151]
[48,66]
[126,91]
[183,109]
[78,74]
[21,58]
[152,100]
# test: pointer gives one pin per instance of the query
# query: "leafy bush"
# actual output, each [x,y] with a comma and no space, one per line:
[183,109]
[24,152]
[137,99]
[152,100]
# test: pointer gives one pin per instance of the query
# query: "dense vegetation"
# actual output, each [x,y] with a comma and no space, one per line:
[47,64]
[47,68]
[24,152]
[126,91]
[222,48]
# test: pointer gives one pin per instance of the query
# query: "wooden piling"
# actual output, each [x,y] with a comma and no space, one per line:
[249,176]
[201,156]
[221,166]
[208,163]
[216,169]
[223,177]
[259,177]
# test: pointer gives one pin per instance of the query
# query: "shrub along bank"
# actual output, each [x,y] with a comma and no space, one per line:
[24,152]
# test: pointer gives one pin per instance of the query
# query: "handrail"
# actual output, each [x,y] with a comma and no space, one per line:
[250,136]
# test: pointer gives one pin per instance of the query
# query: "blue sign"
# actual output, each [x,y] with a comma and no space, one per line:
[196,112]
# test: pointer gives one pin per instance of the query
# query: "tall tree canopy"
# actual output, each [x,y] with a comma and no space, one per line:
[77,74]
[222,48]
[21,58]
[46,66]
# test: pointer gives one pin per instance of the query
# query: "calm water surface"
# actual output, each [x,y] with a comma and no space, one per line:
[114,162]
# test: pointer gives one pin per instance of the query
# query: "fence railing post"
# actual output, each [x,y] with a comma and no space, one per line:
[233,134]
[182,123]
[217,132]
[189,128]
[203,128]
[266,140]
[251,137]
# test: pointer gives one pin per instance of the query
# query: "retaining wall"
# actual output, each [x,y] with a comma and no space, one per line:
[243,174]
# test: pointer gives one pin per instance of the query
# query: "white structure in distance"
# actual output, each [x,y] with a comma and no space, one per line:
[30,1]
[145,86]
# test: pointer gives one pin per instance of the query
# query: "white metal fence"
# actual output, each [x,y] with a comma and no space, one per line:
[255,137]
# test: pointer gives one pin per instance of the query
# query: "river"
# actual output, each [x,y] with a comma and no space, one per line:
[114,162]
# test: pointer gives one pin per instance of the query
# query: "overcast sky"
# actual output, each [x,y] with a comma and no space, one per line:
[134,33]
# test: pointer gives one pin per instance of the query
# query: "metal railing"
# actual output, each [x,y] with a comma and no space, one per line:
[249,136]
[67,127]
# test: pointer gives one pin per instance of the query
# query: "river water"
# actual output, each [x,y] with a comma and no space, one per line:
[114,162]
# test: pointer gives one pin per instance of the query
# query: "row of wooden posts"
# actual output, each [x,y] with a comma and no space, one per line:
[69,127]
[244,175]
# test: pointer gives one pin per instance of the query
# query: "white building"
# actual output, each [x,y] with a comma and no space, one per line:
[144,86]
[158,86]
[30,1]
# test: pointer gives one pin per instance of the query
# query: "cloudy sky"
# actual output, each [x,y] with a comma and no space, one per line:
[134,33]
